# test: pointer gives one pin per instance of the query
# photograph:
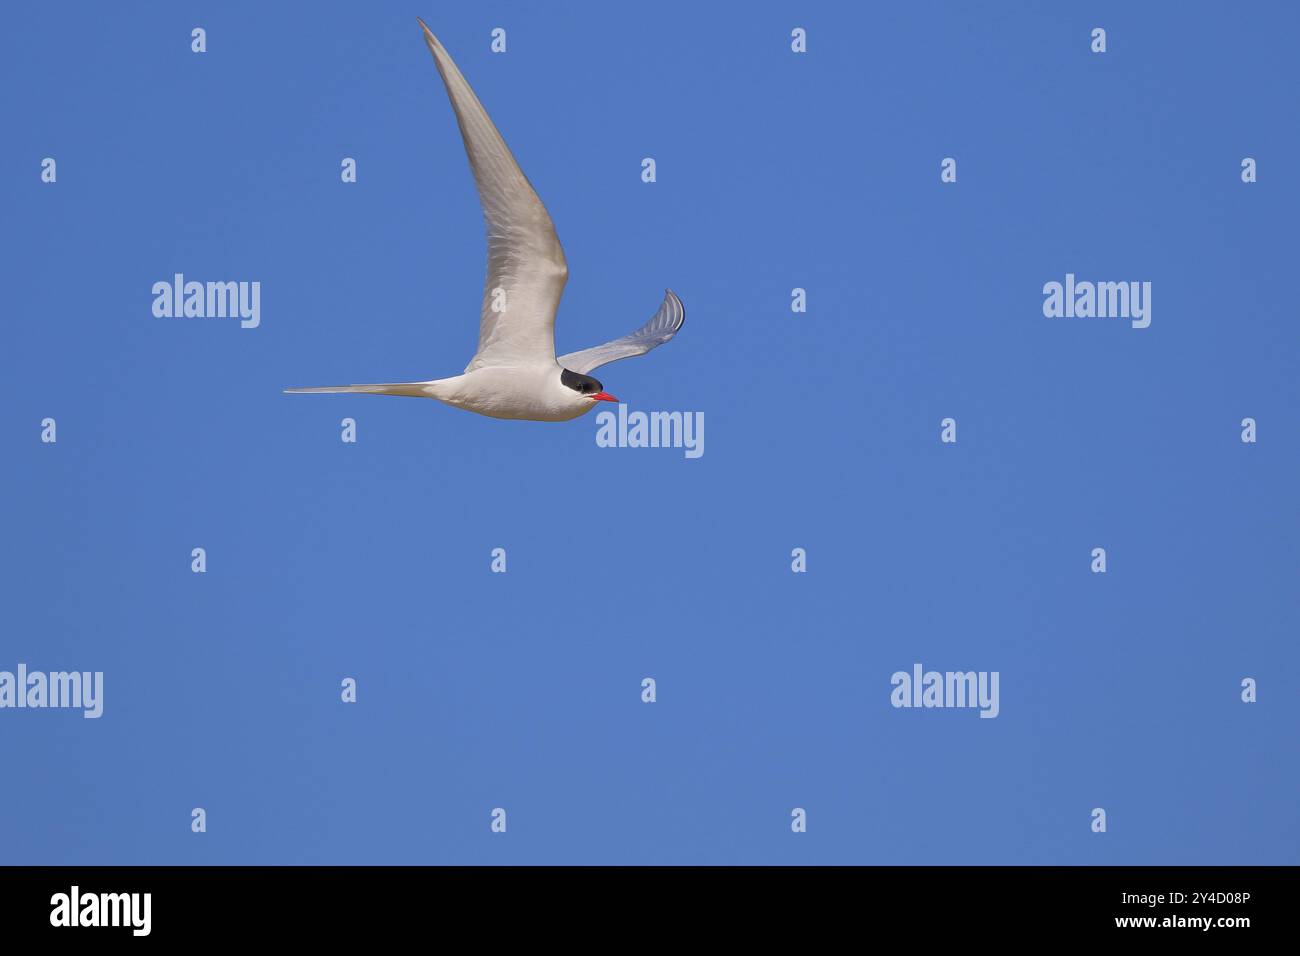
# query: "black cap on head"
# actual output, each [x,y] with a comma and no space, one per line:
[583,384]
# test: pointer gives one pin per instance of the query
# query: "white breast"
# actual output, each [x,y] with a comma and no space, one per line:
[532,393]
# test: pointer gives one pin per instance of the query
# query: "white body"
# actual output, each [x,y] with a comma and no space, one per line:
[515,372]
[532,392]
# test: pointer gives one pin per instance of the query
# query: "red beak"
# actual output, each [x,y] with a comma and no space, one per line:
[603,397]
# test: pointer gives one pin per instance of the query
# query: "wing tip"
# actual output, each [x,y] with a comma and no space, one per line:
[681,308]
[429,38]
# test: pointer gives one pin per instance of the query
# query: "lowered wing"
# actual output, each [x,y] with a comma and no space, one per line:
[661,327]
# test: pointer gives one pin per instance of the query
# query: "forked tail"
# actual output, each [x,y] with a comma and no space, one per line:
[415,389]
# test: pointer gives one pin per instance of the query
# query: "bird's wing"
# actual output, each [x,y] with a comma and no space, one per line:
[661,327]
[526,270]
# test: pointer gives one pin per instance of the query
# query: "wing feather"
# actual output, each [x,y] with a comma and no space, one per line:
[661,327]
[525,260]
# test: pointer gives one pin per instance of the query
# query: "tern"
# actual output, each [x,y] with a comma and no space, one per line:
[515,373]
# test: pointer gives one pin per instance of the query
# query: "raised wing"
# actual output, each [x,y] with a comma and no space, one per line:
[526,270]
[662,327]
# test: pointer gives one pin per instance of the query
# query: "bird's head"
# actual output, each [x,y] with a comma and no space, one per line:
[585,386]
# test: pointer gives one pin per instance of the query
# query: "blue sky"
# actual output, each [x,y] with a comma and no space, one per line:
[775,171]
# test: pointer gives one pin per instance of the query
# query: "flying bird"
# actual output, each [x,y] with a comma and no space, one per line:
[515,373]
